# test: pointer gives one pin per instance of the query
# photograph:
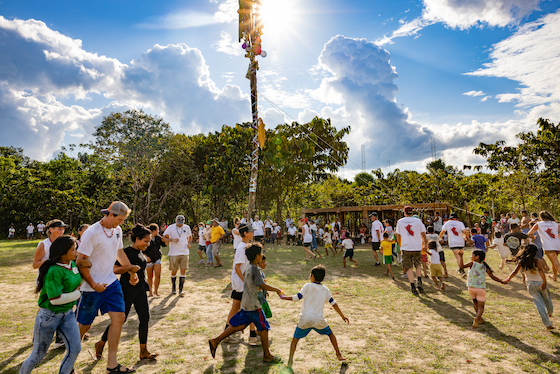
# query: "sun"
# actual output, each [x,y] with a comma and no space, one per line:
[278,16]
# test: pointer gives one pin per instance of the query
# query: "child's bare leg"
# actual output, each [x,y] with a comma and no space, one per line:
[227,332]
[442,284]
[436,282]
[425,268]
[390,270]
[478,319]
[267,356]
[354,261]
[444,268]
[335,345]
[344,262]
[326,251]
[293,347]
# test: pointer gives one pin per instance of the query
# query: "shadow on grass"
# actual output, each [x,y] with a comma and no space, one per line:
[7,361]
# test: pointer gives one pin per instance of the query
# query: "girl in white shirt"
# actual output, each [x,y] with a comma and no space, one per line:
[548,233]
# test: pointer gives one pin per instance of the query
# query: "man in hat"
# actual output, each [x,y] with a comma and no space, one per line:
[178,237]
[217,233]
[411,236]
[376,236]
[456,232]
[102,245]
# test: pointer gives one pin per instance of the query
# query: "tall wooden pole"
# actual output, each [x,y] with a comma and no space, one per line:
[253,66]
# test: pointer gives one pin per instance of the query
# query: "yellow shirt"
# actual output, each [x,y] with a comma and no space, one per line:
[387,247]
[216,233]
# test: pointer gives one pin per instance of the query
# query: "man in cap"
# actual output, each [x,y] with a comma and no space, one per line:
[376,236]
[102,245]
[178,236]
[217,233]
[258,225]
[456,232]
[40,229]
[411,236]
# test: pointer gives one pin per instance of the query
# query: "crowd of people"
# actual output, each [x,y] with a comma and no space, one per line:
[77,276]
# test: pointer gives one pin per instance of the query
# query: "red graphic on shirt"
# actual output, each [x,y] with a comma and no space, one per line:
[549,232]
[408,228]
[454,231]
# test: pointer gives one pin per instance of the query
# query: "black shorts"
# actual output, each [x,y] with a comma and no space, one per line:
[258,238]
[442,256]
[307,244]
[236,295]
[454,248]
[349,253]
[375,246]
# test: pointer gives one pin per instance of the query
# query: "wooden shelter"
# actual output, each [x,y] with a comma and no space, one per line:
[353,216]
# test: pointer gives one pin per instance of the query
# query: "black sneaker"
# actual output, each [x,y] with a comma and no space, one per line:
[377,264]
[420,288]
[414,292]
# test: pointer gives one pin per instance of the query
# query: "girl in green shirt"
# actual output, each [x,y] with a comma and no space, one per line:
[58,284]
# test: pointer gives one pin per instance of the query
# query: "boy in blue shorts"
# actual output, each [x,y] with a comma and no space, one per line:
[251,308]
[315,295]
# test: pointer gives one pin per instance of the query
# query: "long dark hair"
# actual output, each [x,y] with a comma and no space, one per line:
[545,216]
[482,256]
[59,248]
[139,231]
[527,257]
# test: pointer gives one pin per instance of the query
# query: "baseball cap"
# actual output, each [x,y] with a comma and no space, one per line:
[453,215]
[407,209]
[216,220]
[208,222]
[374,214]
[118,208]
[246,227]
[56,223]
[180,218]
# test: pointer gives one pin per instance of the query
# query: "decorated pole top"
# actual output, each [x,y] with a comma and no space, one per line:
[250,27]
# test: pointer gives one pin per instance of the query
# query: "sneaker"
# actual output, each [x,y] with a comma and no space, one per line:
[404,276]
[173,291]
[59,343]
[420,288]
[182,293]
[253,340]
[200,262]
[414,292]
[377,264]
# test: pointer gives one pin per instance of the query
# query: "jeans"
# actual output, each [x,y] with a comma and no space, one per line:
[46,323]
[542,301]
[209,255]
[313,241]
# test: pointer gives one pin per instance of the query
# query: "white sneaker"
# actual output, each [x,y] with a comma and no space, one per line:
[182,293]
[253,340]
[404,276]
[200,262]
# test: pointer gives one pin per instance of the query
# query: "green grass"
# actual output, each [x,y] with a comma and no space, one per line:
[390,330]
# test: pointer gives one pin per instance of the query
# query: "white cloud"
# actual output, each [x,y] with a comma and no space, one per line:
[474,93]
[464,14]
[227,45]
[485,98]
[178,20]
[227,12]
[531,57]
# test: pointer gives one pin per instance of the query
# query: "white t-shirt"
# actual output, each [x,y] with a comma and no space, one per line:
[267,224]
[313,228]
[434,258]
[182,233]
[513,220]
[438,223]
[410,229]
[288,221]
[307,237]
[11,231]
[102,252]
[503,250]
[348,243]
[258,226]
[292,230]
[434,237]
[40,227]
[321,232]
[375,226]
[454,229]
[201,240]
[327,238]
[314,296]
[548,233]
[244,220]
[30,229]
[47,247]
[276,229]
[239,258]
[236,238]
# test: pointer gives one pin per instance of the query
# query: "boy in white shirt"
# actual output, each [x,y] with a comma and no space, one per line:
[503,250]
[292,230]
[315,296]
[436,270]
[348,246]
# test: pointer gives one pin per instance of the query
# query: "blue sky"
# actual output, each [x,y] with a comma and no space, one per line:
[399,72]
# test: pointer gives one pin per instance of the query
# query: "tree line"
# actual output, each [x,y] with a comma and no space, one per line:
[137,158]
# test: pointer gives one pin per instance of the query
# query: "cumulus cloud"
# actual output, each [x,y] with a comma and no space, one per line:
[227,45]
[531,56]
[474,93]
[464,14]
[40,68]
[227,12]
[178,20]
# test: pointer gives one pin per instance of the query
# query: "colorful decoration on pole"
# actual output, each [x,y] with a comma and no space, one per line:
[250,31]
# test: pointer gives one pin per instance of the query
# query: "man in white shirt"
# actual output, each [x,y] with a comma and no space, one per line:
[40,229]
[102,245]
[438,223]
[245,220]
[288,221]
[456,231]
[376,236]
[30,228]
[411,236]
[178,237]
[258,225]
[292,231]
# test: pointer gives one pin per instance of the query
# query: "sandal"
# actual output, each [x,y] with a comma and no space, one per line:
[117,369]
[151,356]
[212,349]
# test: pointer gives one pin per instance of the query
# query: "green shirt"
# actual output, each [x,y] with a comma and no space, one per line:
[59,280]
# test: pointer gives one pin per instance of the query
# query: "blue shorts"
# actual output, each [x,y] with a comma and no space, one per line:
[302,333]
[110,300]
[244,317]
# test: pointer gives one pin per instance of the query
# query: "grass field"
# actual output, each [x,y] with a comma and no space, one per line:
[390,330]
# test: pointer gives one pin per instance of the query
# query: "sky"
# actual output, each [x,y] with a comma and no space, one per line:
[403,74]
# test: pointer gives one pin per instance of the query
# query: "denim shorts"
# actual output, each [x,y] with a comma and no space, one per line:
[150,264]
[110,300]
[302,333]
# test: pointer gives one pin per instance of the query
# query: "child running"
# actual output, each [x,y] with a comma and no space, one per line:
[503,250]
[328,241]
[480,242]
[476,282]
[436,270]
[431,235]
[315,295]
[536,281]
[387,250]
[348,245]
[251,309]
